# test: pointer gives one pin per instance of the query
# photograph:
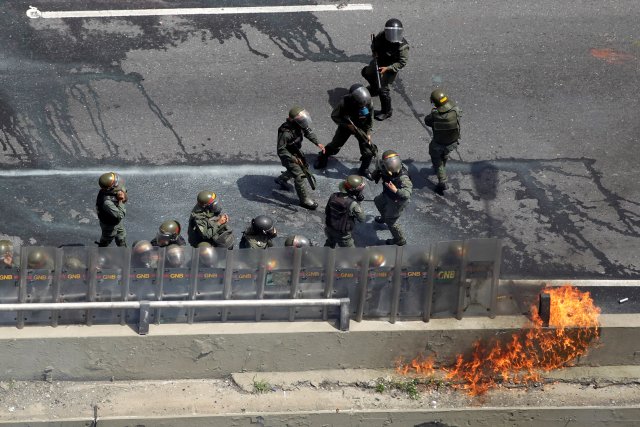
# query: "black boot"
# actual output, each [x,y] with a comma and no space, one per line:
[321,161]
[385,107]
[441,187]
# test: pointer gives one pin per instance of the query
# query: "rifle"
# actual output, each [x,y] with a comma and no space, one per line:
[374,147]
[311,179]
[375,63]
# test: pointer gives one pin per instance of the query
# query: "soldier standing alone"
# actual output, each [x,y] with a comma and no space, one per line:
[444,119]
[343,210]
[110,206]
[395,196]
[391,53]
[290,136]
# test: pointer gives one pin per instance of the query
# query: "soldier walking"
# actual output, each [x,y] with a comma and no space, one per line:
[110,206]
[343,210]
[354,116]
[208,224]
[444,119]
[260,234]
[390,54]
[290,136]
[395,196]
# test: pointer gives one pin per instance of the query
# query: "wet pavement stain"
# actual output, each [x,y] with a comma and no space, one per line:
[611,56]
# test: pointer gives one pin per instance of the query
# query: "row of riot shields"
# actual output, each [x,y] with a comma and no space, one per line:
[446,279]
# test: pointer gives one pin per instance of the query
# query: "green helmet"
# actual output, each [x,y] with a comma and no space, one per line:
[295,111]
[109,180]
[377,259]
[143,254]
[300,116]
[175,256]
[6,246]
[352,185]
[297,241]
[441,100]
[170,227]
[74,263]
[207,253]
[209,200]
[37,259]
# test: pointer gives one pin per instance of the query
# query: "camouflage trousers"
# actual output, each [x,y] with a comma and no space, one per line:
[390,211]
[439,156]
[334,237]
[110,232]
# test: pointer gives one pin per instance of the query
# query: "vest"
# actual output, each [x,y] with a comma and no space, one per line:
[103,215]
[396,180]
[296,142]
[388,53]
[337,213]
[446,129]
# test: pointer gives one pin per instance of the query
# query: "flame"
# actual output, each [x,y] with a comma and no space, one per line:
[573,326]
[420,365]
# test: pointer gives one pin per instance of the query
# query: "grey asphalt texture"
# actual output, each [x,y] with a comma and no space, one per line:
[549,90]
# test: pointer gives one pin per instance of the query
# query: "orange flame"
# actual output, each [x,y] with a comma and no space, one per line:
[420,365]
[573,326]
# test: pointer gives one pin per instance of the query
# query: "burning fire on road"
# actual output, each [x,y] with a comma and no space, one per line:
[573,328]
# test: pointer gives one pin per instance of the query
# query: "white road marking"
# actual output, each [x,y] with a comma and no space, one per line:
[34,13]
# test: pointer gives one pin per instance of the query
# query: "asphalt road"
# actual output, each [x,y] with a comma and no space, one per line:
[550,94]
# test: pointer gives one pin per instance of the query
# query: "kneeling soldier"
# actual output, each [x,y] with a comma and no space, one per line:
[169,234]
[259,234]
[208,224]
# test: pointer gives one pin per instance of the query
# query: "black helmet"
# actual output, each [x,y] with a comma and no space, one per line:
[300,116]
[264,224]
[360,95]
[109,180]
[297,241]
[208,256]
[391,162]
[174,256]
[353,184]
[393,30]
[441,100]
[37,259]
[209,200]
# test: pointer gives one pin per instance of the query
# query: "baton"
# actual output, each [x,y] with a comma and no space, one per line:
[375,63]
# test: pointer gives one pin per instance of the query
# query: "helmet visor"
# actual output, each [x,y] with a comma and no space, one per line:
[164,239]
[393,34]
[392,165]
[303,119]
[175,257]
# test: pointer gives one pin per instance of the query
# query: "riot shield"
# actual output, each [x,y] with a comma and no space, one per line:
[279,264]
[209,284]
[378,295]
[347,278]
[74,283]
[247,280]
[145,281]
[446,279]
[9,292]
[38,283]
[483,257]
[176,284]
[413,290]
[108,281]
[312,282]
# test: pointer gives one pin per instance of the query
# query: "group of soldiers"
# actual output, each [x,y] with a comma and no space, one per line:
[208,226]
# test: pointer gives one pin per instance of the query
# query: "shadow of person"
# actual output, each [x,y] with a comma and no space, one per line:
[262,189]
[336,95]
[419,177]
[485,179]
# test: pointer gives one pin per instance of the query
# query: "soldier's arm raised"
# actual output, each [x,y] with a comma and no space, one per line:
[405,189]
[116,210]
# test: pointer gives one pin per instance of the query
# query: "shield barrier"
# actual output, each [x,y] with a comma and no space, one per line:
[312,281]
[416,263]
[482,271]
[209,283]
[280,264]
[247,282]
[176,284]
[447,284]
[349,273]
[108,281]
[74,284]
[378,291]
[145,281]
[38,283]
[9,293]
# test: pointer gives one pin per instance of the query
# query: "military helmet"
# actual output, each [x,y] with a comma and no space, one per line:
[6,246]
[143,253]
[174,255]
[439,98]
[297,241]
[170,227]
[300,116]
[391,162]
[207,254]
[353,184]
[360,95]
[377,259]
[264,225]
[109,180]
[142,247]
[74,263]
[37,259]
[393,30]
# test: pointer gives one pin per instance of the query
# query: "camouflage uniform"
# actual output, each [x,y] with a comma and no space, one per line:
[203,227]
[342,211]
[445,122]
[255,240]
[111,213]
[390,204]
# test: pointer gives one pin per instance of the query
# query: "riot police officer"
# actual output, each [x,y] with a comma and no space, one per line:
[110,206]
[391,53]
[354,116]
[260,234]
[207,223]
[343,210]
[39,259]
[297,241]
[444,119]
[144,255]
[6,254]
[169,234]
[174,256]
[395,196]
[290,136]
[207,255]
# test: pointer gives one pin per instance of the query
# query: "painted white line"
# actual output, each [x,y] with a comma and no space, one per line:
[34,13]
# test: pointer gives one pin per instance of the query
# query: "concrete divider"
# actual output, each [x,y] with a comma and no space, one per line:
[217,349]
